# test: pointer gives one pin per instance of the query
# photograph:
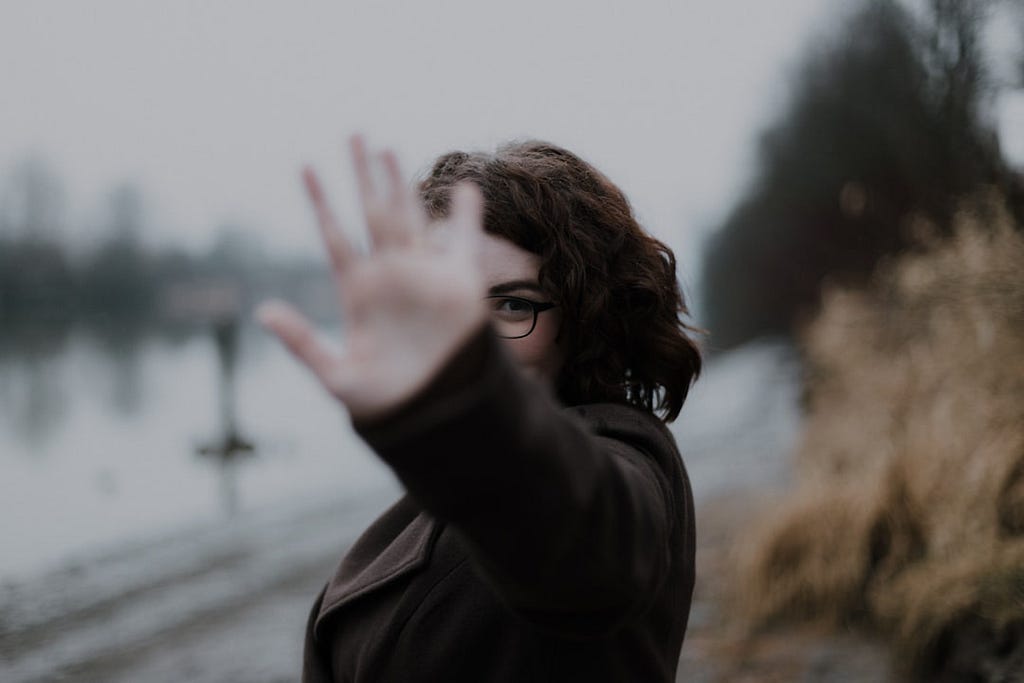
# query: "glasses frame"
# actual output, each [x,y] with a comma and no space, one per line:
[537,307]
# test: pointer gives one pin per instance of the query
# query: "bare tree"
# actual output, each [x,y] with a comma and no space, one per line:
[32,207]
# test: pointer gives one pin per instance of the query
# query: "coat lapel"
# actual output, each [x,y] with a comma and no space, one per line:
[398,543]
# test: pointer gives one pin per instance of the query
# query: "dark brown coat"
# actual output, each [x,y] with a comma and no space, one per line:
[536,542]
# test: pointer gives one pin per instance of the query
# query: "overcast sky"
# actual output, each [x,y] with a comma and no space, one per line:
[212,106]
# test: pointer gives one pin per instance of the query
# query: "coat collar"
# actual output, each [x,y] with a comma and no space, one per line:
[398,543]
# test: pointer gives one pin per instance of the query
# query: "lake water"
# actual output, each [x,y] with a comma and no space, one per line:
[99,444]
[126,555]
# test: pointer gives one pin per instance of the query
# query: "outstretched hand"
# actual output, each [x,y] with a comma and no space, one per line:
[408,304]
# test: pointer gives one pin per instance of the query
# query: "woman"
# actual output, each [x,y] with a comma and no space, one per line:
[510,338]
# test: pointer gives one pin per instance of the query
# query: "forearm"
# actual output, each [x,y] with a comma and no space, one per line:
[561,518]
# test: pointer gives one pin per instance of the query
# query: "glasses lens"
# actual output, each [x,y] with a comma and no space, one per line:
[512,316]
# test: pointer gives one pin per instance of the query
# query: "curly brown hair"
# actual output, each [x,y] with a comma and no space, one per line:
[623,311]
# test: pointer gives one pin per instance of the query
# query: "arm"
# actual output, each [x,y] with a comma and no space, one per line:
[568,512]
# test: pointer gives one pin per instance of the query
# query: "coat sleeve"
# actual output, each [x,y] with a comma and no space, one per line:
[570,513]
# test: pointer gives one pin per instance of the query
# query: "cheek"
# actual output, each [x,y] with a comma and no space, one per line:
[538,352]
[528,351]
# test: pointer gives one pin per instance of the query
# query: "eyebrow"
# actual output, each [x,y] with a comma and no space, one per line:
[514,285]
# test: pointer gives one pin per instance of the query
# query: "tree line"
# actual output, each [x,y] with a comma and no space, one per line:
[45,276]
[889,118]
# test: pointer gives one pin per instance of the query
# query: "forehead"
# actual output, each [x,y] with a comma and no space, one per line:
[502,261]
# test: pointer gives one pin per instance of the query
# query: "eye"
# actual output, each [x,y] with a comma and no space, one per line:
[511,308]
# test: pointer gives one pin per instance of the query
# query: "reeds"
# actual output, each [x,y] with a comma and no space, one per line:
[908,512]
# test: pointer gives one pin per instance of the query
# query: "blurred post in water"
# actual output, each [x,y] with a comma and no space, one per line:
[230,446]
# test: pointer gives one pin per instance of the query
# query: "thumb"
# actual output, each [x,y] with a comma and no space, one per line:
[298,336]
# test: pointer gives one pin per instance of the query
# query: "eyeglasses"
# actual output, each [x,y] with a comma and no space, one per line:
[515,317]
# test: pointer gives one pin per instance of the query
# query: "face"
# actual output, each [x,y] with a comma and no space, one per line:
[510,270]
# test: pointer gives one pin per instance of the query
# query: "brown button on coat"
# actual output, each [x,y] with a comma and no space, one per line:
[536,542]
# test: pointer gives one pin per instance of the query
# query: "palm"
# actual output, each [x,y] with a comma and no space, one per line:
[407,305]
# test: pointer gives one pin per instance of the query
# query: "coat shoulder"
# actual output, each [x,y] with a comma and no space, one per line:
[628,423]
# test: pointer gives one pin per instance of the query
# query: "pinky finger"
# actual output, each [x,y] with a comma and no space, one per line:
[299,336]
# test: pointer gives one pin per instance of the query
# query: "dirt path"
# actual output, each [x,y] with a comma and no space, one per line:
[190,625]
[229,605]
[217,605]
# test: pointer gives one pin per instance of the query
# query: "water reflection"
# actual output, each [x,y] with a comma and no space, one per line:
[37,382]
[51,371]
[32,395]
[120,344]
[100,427]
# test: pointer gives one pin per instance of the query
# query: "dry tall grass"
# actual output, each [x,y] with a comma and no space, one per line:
[908,514]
